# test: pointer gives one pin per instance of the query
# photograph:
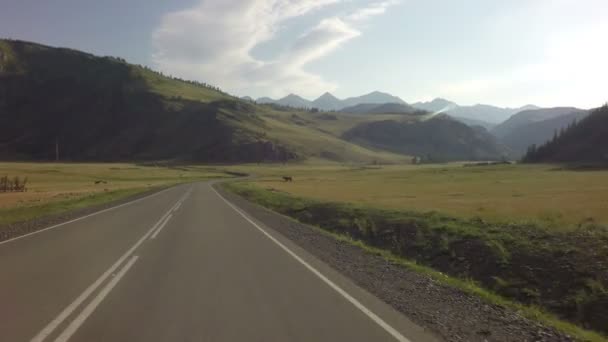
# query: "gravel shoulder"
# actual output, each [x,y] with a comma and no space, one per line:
[449,312]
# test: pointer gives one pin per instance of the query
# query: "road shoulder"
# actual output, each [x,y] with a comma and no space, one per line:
[448,312]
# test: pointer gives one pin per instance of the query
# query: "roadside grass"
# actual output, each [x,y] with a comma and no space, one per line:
[501,259]
[471,287]
[26,213]
[53,188]
[543,195]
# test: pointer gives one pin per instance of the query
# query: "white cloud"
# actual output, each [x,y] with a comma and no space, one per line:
[372,10]
[212,42]
[565,64]
[319,41]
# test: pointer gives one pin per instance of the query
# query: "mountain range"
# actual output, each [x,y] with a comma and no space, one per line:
[480,114]
[383,108]
[483,115]
[105,109]
[515,128]
[535,127]
[328,102]
[487,113]
[585,141]
[437,105]
[440,138]
[93,108]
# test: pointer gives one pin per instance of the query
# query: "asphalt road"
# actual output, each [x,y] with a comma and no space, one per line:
[181,265]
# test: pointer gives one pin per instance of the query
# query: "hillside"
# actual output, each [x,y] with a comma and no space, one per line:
[487,113]
[104,109]
[475,123]
[385,108]
[437,105]
[483,114]
[583,142]
[101,108]
[440,138]
[528,131]
[527,117]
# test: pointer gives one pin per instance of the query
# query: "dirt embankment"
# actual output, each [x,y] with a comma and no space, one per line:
[563,272]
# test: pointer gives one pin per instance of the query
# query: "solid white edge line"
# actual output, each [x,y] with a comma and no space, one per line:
[84,217]
[49,328]
[392,331]
[88,310]
[153,236]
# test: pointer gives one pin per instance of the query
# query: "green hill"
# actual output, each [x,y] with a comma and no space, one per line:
[583,142]
[439,138]
[538,132]
[102,108]
[105,109]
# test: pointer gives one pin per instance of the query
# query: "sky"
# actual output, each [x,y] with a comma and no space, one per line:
[505,53]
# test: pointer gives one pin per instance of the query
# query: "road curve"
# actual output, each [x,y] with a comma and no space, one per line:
[181,265]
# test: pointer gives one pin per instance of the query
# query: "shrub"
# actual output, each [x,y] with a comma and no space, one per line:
[13,185]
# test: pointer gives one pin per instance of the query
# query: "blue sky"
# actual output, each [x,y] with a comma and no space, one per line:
[508,53]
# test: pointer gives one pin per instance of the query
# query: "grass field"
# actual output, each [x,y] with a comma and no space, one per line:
[541,194]
[53,188]
[439,204]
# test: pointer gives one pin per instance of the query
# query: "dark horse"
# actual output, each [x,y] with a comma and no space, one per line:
[287,178]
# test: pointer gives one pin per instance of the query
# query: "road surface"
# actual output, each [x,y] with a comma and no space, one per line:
[180,265]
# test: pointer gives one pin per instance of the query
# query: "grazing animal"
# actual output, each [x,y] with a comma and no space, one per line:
[287,178]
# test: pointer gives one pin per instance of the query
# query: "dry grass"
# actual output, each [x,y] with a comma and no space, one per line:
[55,185]
[510,193]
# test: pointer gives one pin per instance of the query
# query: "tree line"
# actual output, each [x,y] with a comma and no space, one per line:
[583,140]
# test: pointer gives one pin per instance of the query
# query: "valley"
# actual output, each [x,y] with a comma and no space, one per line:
[504,206]
[132,111]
